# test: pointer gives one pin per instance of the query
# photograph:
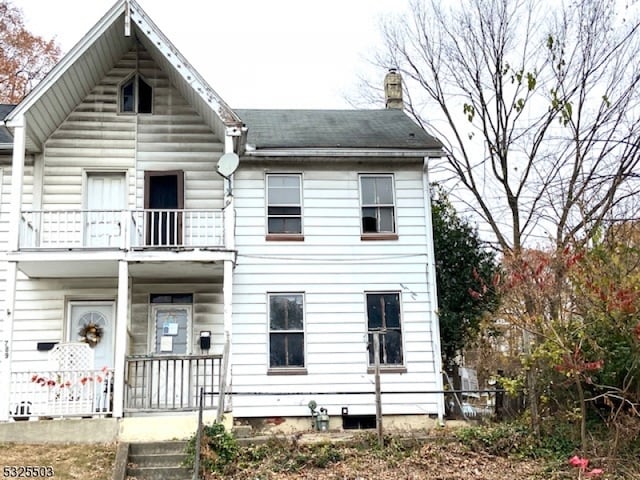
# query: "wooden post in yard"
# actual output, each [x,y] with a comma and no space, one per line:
[376,357]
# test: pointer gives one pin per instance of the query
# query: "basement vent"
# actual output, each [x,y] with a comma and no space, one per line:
[358,422]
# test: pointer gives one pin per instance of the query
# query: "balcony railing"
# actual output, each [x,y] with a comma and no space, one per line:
[171,382]
[61,393]
[123,229]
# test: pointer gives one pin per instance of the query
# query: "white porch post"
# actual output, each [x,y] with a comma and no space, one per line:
[17,173]
[122,323]
[6,344]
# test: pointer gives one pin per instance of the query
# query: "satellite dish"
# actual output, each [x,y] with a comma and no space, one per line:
[228,164]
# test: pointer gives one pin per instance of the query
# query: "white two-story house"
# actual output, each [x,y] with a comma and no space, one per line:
[157,243]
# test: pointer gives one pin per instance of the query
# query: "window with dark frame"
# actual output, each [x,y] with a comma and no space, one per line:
[377,204]
[286,330]
[136,96]
[284,204]
[383,315]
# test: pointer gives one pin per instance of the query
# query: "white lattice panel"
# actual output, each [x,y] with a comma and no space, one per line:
[71,356]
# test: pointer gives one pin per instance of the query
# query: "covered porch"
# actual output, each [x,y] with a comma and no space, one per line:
[152,385]
[150,337]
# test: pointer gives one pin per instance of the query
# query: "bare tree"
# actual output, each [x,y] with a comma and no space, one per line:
[24,58]
[538,104]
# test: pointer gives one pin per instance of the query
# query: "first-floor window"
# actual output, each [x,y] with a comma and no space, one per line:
[286,330]
[383,315]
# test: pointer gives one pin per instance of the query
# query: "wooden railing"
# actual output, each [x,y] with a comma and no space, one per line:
[123,229]
[171,382]
[61,393]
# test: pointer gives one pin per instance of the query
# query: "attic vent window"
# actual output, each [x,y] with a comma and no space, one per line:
[136,96]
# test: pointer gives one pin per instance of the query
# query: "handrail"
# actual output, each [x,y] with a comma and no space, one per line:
[170,382]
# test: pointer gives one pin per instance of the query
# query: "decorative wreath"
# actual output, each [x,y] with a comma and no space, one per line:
[91,334]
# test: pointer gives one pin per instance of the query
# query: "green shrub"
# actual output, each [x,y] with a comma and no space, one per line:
[557,441]
[218,448]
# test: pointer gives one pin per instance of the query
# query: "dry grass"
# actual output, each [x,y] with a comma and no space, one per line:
[90,462]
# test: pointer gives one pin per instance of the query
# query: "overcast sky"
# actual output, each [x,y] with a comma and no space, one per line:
[254,53]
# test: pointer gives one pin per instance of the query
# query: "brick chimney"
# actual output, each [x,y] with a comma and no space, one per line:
[393,90]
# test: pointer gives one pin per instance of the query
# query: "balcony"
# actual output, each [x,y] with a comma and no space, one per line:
[121,229]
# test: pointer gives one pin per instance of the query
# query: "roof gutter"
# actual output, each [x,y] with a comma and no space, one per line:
[341,152]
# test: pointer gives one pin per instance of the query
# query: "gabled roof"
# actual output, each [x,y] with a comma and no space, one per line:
[49,103]
[388,130]
[6,139]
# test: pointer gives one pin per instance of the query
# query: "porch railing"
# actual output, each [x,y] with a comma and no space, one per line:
[121,228]
[61,393]
[171,382]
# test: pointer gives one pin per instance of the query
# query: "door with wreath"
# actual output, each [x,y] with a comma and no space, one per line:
[92,322]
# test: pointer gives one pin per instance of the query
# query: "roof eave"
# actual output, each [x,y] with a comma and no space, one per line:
[190,75]
[227,116]
[65,62]
[344,152]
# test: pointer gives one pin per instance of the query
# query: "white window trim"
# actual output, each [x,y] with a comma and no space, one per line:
[393,367]
[135,76]
[394,233]
[288,236]
[287,369]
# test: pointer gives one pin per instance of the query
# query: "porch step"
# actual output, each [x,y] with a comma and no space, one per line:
[158,461]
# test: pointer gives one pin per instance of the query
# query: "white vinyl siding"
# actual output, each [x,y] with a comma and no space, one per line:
[96,137]
[334,268]
[207,312]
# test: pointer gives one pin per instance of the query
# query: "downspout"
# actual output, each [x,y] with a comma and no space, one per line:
[433,289]
[231,134]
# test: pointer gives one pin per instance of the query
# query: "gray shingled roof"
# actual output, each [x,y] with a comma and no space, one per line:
[5,136]
[385,129]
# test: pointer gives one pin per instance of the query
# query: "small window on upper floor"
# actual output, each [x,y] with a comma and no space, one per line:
[284,207]
[378,211]
[136,96]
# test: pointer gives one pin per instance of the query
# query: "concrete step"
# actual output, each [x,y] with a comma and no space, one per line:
[155,448]
[159,473]
[158,461]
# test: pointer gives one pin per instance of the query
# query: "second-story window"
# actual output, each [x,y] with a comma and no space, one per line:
[136,96]
[378,211]
[284,204]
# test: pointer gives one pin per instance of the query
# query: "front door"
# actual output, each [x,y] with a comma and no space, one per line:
[164,195]
[106,197]
[93,322]
[171,326]
[172,336]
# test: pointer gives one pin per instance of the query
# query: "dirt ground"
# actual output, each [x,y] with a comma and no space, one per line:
[95,462]
[91,462]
